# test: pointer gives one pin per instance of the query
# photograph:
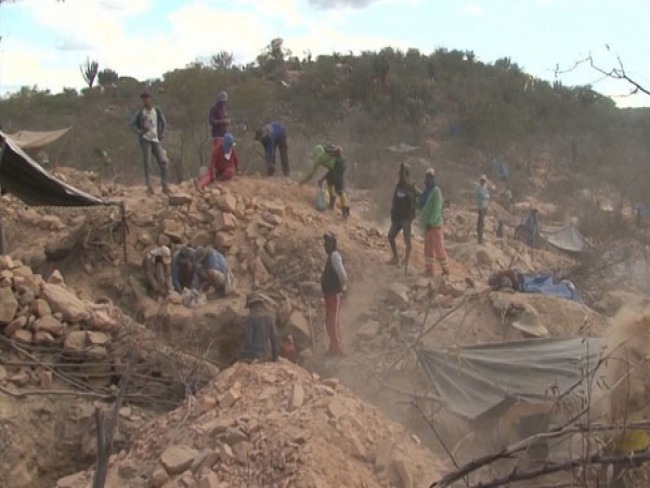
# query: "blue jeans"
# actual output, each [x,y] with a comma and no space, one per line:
[149,148]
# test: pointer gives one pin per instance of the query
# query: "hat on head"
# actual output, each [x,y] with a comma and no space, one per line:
[430,172]
[483,178]
[228,142]
[329,236]
[252,299]
[165,254]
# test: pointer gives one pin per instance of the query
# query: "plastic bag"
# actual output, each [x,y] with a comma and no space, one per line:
[320,203]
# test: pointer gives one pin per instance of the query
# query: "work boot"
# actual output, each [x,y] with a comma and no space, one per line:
[166,190]
[394,261]
[346,212]
[270,171]
[332,205]
[150,192]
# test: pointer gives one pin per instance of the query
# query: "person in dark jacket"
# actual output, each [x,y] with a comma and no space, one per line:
[184,270]
[333,283]
[260,331]
[402,213]
[150,124]
[272,136]
[218,116]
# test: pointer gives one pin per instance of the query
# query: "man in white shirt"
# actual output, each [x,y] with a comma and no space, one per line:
[149,123]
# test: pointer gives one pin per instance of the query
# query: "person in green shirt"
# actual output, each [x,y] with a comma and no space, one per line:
[430,203]
[330,158]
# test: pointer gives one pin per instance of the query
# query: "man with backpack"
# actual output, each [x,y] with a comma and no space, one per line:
[402,213]
[274,136]
[330,157]
[150,124]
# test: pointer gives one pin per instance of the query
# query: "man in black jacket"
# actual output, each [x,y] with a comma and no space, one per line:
[333,283]
[402,213]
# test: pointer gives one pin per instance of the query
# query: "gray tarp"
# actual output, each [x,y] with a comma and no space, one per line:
[567,238]
[476,380]
[27,139]
[23,177]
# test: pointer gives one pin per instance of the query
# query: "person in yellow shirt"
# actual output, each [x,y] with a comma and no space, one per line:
[330,158]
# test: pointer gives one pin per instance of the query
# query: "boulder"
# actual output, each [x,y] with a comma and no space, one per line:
[40,308]
[209,480]
[369,330]
[16,324]
[261,275]
[225,222]
[75,342]
[64,301]
[484,258]
[43,337]
[174,230]
[201,238]
[229,398]
[97,338]
[22,335]
[159,477]
[176,459]
[224,240]
[227,203]
[297,397]
[57,249]
[102,321]
[298,327]
[8,305]
[275,208]
[398,296]
[178,199]
[49,324]
[56,278]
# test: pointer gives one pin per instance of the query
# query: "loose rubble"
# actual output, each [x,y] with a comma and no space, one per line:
[288,428]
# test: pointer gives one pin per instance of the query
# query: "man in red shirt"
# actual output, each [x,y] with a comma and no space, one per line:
[224,163]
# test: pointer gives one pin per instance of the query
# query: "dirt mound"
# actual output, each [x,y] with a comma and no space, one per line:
[271,425]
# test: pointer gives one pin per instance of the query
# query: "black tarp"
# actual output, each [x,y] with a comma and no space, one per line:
[475,381]
[23,177]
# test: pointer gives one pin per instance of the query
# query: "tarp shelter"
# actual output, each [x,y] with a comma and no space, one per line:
[27,139]
[478,381]
[566,238]
[23,177]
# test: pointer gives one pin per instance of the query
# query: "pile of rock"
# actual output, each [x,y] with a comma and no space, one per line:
[271,424]
[46,314]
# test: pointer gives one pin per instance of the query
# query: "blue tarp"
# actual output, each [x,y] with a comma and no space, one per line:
[545,285]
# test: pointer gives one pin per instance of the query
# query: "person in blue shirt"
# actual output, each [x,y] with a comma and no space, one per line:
[272,136]
[211,270]
[260,331]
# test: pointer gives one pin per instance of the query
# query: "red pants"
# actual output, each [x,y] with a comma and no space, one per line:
[332,323]
[434,248]
[217,175]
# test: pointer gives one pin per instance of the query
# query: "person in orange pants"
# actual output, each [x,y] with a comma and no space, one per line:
[224,163]
[333,283]
[431,220]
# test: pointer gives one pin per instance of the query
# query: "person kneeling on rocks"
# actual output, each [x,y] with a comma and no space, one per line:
[224,163]
[260,331]
[156,267]
[212,271]
[183,269]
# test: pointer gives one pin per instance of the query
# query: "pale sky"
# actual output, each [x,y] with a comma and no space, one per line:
[44,41]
